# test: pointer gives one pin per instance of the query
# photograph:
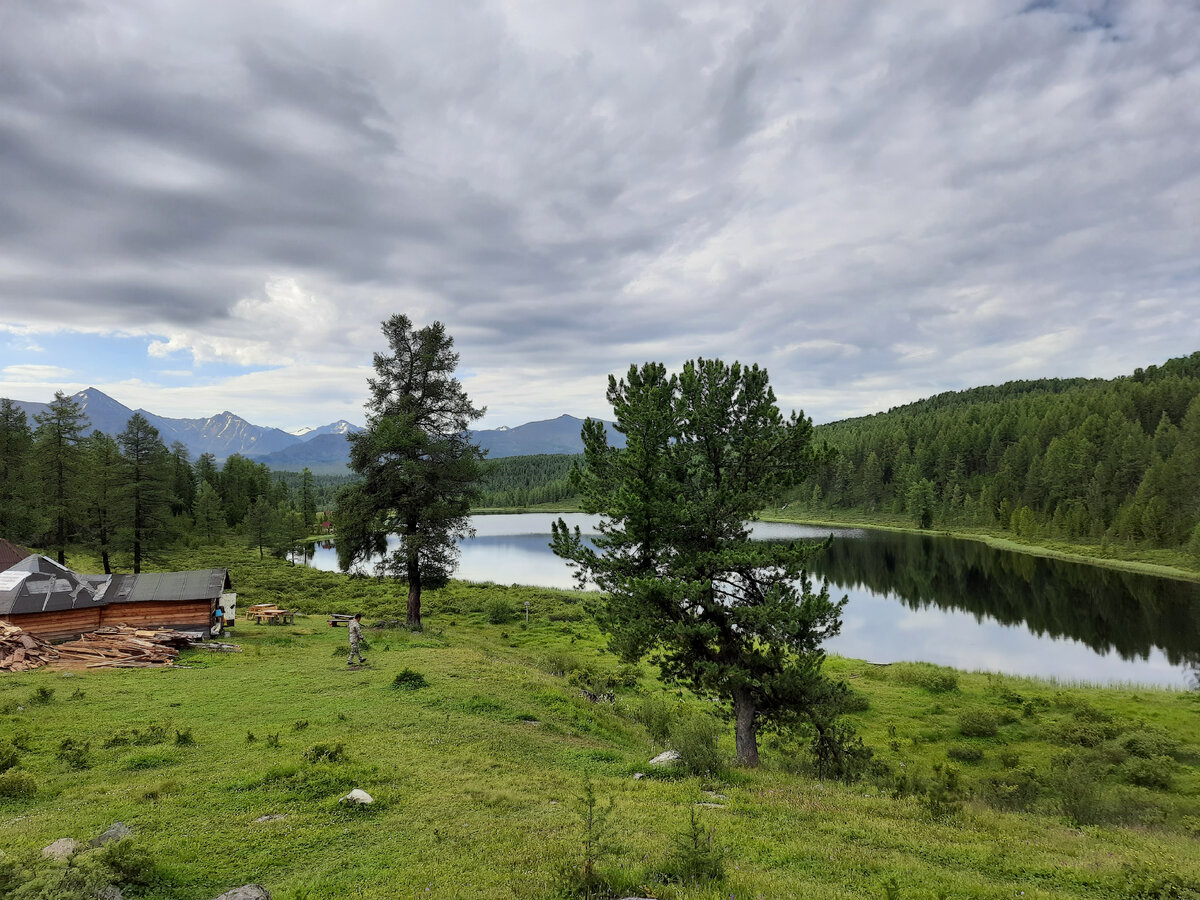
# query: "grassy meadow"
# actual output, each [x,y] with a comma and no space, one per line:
[480,750]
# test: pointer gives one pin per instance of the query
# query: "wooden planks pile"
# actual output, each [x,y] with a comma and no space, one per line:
[21,651]
[119,646]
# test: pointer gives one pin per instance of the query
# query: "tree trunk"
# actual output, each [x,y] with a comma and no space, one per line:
[414,591]
[746,729]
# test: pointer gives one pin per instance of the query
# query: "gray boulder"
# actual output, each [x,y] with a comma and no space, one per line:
[61,849]
[667,758]
[113,832]
[247,892]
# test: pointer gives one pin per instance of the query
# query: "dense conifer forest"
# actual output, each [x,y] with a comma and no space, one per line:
[1115,460]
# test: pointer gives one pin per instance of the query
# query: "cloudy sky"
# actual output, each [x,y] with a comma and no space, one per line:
[213,205]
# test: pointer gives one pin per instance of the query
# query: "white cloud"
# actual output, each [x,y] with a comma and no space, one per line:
[37,374]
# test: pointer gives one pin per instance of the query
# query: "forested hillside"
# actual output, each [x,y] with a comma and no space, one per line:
[1111,460]
[64,484]
[517,481]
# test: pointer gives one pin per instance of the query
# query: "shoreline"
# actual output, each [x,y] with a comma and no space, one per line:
[997,542]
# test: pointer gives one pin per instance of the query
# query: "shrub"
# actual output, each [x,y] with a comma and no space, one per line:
[17,785]
[74,754]
[126,864]
[184,738]
[839,753]
[964,753]
[9,757]
[1085,731]
[1014,791]
[1148,742]
[499,611]
[559,662]
[77,694]
[408,680]
[1080,795]
[695,735]
[854,701]
[978,723]
[655,714]
[696,855]
[41,696]
[299,724]
[628,676]
[273,739]
[151,759]
[942,797]
[325,753]
[1156,772]
[1010,759]
[935,679]
[155,734]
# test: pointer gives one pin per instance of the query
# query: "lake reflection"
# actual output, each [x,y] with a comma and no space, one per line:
[916,597]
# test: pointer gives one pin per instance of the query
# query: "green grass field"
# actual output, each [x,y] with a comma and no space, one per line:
[980,786]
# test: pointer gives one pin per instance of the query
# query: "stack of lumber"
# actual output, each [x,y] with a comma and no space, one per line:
[119,646]
[21,651]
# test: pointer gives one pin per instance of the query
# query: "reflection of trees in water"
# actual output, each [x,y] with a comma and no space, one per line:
[1105,609]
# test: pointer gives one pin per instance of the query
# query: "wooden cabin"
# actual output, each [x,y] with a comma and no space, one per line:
[57,604]
[10,554]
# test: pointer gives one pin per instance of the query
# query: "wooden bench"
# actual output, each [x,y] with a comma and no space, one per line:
[336,619]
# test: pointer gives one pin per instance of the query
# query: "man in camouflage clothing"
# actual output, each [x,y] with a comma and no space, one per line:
[355,639]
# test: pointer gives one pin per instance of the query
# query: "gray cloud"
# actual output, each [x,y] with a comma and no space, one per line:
[876,201]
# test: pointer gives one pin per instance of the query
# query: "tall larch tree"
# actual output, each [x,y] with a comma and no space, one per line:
[146,489]
[18,518]
[419,467]
[59,457]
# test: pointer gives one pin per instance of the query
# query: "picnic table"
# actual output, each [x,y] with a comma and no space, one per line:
[336,619]
[270,614]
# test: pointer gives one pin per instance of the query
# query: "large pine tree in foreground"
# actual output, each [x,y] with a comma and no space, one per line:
[681,580]
[420,469]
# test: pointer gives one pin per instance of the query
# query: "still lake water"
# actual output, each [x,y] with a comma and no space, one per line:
[932,599]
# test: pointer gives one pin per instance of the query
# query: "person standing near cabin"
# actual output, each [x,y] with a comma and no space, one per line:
[218,621]
[355,639]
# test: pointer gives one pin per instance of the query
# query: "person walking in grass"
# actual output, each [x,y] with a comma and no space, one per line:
[356,638]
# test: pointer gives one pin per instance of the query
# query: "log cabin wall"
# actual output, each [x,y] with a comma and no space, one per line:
[58,625]
[184,615]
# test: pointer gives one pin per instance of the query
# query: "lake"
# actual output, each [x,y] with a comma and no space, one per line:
[933,599]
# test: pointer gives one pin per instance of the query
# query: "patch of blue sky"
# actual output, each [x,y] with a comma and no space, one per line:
[105,359]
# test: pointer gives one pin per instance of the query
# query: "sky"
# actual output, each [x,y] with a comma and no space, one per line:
[211,206]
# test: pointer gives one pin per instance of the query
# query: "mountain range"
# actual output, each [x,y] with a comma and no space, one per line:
[323,449]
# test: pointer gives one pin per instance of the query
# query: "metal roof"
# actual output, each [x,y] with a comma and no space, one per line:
[39,584]
[10,554]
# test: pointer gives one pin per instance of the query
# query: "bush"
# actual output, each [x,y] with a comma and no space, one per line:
[1015,791]
[1148,743]
[942,797]
[325,753]
[935,679]
[695,736]
[978,723]
[1080,795]
[655,714]
[499,611]
[839,753]
[74,754]
[559,662]
[1010,759]
[408,680]
[17,785]
[184,738]
[1156,772]
[41,696]
[696,855]
[964,753]
[9,757]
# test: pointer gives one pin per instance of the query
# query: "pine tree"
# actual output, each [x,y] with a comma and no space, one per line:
[209,517]
[681,580]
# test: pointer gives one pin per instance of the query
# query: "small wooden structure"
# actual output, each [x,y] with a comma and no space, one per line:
[56,604]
